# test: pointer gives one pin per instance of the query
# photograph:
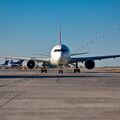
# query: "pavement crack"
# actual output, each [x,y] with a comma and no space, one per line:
[11,99]
[11,82]
[2,85]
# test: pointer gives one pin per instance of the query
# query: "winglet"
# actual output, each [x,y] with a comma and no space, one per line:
[60,35]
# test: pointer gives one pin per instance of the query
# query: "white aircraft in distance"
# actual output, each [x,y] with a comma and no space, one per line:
[61,56]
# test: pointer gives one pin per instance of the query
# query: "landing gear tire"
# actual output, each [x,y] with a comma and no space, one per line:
[43,70]
[76,70]
[61,71]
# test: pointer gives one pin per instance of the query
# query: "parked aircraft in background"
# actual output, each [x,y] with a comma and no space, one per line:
[11,64]
[14,64]
[60,56]
[4,65]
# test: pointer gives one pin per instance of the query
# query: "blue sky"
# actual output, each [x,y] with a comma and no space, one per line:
[28,27]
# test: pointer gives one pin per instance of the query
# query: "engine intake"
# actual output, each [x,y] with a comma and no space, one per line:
[31,64]
[89,64]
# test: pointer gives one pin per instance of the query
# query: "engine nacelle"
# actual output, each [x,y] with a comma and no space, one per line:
[31,64]
[89,64]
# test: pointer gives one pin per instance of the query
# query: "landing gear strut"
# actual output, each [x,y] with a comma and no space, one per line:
[44,69]
[61,70]
[76,69]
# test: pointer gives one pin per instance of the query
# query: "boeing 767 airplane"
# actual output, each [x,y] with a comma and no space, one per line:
[60,56]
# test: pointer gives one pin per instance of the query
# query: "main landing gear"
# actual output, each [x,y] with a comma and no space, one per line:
[76,68]
[44,69]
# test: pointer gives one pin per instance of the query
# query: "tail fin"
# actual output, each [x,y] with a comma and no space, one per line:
[6,62]
[17,62]
[11,62]
[60,35]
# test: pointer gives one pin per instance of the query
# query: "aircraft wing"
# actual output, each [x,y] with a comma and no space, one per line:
[82,59]
[38,59]
[79,53]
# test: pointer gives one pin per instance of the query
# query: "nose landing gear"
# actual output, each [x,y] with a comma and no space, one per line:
[61,71]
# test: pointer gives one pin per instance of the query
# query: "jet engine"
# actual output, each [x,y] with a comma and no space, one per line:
[31,64]
[89,64]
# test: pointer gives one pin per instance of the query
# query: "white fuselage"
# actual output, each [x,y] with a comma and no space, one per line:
[60,55]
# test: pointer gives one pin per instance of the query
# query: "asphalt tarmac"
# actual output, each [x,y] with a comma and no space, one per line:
[30,95]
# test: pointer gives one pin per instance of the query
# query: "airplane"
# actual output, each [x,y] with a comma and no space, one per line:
[16,64]
[60,56]
[12,64]
[4,65]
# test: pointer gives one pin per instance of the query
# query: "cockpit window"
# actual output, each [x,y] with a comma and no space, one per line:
[59,50]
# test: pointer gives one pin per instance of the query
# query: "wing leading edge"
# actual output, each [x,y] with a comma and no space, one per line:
[27,58]
[82,59]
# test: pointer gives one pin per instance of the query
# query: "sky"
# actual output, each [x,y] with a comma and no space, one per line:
[29,27]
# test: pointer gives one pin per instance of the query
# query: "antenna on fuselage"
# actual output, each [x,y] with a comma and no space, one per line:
[60,35]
